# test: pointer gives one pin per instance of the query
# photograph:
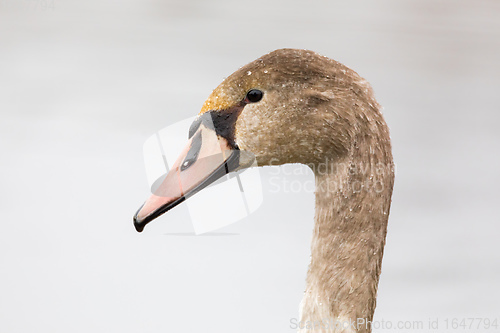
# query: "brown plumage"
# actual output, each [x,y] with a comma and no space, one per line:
[317,112]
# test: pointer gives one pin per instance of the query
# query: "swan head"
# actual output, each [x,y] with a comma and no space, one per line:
[289,106]
[308,110]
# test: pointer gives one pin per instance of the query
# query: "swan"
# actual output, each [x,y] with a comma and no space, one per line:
[296,106]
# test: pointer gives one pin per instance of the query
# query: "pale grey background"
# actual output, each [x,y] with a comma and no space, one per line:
[84,83]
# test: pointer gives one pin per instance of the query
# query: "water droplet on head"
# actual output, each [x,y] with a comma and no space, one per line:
[248,73]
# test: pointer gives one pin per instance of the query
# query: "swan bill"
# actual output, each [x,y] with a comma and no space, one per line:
[206,158]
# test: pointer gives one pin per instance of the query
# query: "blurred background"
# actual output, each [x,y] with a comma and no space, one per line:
[84,83]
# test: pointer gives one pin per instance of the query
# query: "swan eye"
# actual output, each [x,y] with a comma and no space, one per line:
[254,95]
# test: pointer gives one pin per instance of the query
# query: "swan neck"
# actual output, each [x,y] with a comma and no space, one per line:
[352,208]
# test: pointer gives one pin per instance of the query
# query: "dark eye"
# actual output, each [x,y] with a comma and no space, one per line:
[254,95]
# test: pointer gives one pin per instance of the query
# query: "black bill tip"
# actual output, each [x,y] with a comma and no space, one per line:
[138,224]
